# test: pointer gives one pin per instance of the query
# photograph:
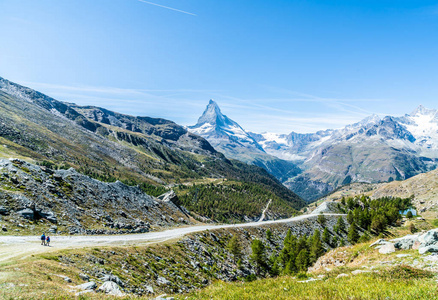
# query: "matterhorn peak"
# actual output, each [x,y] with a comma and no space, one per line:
[212,115]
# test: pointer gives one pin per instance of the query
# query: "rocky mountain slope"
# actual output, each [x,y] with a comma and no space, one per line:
[108,146]
[40,199]
[228,137]
[371,151]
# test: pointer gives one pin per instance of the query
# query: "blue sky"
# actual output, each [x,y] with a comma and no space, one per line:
[277,66]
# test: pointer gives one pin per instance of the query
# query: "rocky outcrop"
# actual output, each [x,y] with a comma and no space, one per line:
[424,242]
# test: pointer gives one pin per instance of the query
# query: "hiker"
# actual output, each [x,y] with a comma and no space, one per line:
[48,240]
[43,239]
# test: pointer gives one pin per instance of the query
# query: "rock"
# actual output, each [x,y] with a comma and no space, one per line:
[168,197]
[378,242]
[26,213]
[149,289]
[4,228]
[112,278]
[161,297]
[3,210]
[87,286]
[110,288]
[355,272]
[426,249]
[403,255]
[387,248]
[84,277]
[84,292]
[416,245]
[430,238]
[67,279]
[162,281]
[342,275]
[406,243]
[53,229]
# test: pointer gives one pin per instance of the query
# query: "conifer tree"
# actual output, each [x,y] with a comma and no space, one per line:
[316,249]
[235,248]
[353,235]
[341,224]
[326,236]
[258,254]
[302,261]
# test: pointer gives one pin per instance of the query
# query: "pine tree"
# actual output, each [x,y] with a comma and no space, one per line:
[268,234]
[316,249]
[258,254]
[326,236]
[235,248]
[350,217]
[335,241]
[353,235]
[341,224]
[302,261]
[321,219]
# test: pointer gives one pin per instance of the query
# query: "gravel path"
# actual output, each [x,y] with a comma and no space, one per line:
[14,247]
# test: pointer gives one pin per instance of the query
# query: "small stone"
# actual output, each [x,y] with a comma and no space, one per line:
[342,275]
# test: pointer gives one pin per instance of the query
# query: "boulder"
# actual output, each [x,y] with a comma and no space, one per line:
[162,281]
[429,238]
[426,249]
[26,213]
[110,288]
[112,278]
[378,242]
[168,197]
[387,248]
[87,286]
[405,244]
[84,277]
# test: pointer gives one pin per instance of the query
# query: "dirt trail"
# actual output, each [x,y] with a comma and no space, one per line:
[264,211]
[19,247]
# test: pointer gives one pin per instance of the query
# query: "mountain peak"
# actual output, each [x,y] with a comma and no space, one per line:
[213,115]
[421,110]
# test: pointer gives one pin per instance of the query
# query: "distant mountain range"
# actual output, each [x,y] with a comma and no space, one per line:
[372,150]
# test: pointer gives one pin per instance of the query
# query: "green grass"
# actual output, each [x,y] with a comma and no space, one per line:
[398,283]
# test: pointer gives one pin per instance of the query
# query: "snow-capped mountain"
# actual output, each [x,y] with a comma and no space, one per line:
[228,137]
[220,130]
[372,150]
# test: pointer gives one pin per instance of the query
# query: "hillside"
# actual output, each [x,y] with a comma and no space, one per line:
[423,188]
[151,153]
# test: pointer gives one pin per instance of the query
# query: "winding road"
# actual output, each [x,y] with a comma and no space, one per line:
[16,247]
